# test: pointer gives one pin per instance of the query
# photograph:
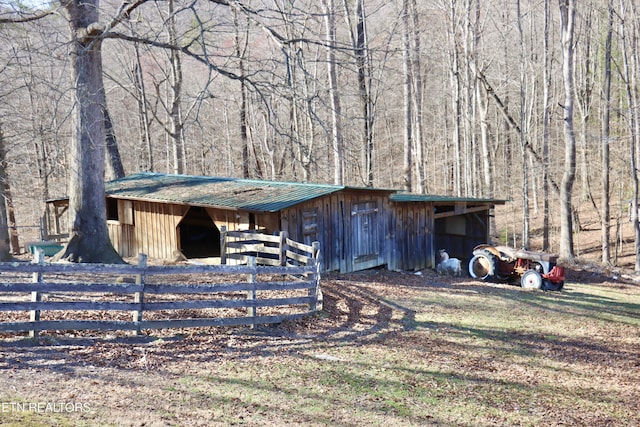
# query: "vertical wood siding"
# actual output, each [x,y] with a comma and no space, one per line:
[122,238]
[156,228]
[412,246]
[351,226]
[356,230]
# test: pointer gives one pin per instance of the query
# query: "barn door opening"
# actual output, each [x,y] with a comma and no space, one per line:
[198,235]
[365,226]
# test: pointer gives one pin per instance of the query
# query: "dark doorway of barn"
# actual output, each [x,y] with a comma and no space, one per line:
[199,236]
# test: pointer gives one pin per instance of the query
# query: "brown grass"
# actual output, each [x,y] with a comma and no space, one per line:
[388,349]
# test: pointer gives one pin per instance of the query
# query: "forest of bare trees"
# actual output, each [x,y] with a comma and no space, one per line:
[532,101]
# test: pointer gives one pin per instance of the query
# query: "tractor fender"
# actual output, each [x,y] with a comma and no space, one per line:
[481,248]
[503,253]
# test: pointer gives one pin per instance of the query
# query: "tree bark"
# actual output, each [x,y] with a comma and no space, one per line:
[175,81]
[584,107]
[88,237]
[417,95]
[336,110]
[522,136]
[629,69]
[359,42]
[546,114]
[240,50]
[483,109]
[5,254]
[143,112]
[606,98]
[408,110]
[567,14]
[115,160]
[454,75]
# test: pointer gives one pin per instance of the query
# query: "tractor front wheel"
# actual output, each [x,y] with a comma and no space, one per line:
[531,279]
[483,266]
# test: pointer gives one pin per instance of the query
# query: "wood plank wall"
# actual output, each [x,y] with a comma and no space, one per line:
[122,238]
[333,227]
[412,246]
[156,228]
[405,230]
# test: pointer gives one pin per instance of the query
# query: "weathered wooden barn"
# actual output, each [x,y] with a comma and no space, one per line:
[165,215]
[424,224]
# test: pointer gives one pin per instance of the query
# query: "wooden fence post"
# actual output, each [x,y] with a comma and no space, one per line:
[223,245]
[251,294]
[36,296]
[138,297]
[315,292]
[283,248]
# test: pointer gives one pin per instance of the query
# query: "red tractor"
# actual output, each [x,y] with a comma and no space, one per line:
[533,270]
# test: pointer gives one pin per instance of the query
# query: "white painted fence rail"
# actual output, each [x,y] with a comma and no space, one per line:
[73,296]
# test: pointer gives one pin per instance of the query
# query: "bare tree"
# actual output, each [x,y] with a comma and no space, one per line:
[567,15]
[523,140]
[360,45]
[546,112]
[470,50]
[337,142]
[417,99]
[5,196]
[89,238]
[606,133]
[140,94]
[241,48]
[456,94]
[115,160]
[173,103]
[584,91]
[408,98]
[630,63]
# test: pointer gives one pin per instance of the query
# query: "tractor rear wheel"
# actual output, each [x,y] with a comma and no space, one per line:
[552,286]
[531,279]
[483,266]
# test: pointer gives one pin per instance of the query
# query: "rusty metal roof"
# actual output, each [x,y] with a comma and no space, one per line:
[226,193]
[413,197]
[247,194]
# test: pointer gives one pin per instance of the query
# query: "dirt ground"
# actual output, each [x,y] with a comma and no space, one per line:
[135,380]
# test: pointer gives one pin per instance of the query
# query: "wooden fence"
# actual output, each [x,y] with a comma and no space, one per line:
[69,296]
[238,247]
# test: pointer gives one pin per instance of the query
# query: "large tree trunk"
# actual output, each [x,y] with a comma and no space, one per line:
[364,83]
[362,59]
[630,62]
[522,136]
[241,47]
[4,220]
[89,237]
[584,107]
[114,158]
[454,75]
[408,110]
[417,95]
[606,97]
[469,44]
[143,113]
[175,81]
[546,114]
[336,110]
[567,13]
